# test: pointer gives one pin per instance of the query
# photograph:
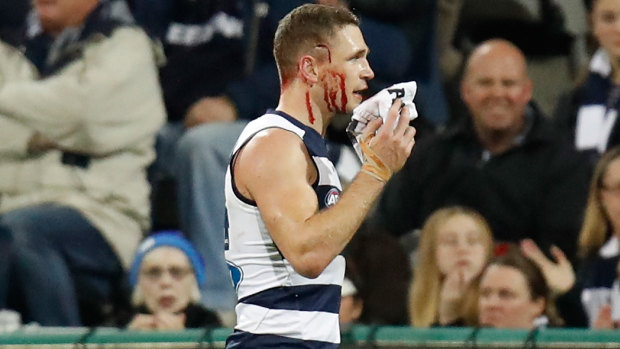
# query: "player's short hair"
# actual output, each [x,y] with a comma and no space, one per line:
[302,29]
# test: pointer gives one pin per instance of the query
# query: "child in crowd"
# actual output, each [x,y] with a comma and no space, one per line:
[455,244]
[165,276]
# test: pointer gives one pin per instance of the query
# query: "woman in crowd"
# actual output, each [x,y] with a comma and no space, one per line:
[598,244]
[165,276]
[454,246]
[513,293]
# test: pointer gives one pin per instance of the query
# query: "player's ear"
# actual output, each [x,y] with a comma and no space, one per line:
[308,69]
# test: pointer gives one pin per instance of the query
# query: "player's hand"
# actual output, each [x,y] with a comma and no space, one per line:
[559,273]
[393,139]
[210,109]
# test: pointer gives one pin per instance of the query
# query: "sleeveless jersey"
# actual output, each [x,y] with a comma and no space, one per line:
[278,306]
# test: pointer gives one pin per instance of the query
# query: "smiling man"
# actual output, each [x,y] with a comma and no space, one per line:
[288,220]
[497,90]
[505,161]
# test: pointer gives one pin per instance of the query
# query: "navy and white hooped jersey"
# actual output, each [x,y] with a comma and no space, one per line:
[276,304]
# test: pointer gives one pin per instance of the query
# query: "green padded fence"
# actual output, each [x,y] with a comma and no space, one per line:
[358,337]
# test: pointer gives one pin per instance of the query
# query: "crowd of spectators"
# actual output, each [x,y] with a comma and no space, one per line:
[118,118]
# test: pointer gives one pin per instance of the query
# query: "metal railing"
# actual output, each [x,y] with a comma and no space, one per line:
[357,337]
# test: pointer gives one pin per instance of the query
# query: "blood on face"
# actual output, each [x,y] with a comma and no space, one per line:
[334,84]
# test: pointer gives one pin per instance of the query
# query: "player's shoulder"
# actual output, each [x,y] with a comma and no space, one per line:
[275,140]
[274,147]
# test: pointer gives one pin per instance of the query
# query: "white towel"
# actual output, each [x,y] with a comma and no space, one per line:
[378,106]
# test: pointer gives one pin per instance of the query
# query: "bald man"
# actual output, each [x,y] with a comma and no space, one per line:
[504,161]
[497,90]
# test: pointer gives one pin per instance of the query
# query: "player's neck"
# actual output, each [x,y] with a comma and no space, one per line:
[297,101]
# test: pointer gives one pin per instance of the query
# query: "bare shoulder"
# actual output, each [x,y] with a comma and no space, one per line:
[271,146]
[270,159]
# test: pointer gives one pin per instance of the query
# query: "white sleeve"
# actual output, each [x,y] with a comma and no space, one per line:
[14,135]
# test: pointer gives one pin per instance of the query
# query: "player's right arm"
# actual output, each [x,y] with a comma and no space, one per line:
[275,170]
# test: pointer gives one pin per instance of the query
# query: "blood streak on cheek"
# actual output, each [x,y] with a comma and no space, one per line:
[309,107]
[343,94]
[326,98]
[333,93]
[333,83]
[327,87]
